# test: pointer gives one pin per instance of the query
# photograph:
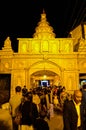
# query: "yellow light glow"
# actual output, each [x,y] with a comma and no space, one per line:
[44,76]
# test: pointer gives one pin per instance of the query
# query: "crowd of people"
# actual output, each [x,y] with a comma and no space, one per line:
[32,109]
[34,105]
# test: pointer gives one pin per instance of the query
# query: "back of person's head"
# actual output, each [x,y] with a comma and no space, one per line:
[42,114]
[18,89]
[28,95]
[84,86]
[24,90]
[24,86]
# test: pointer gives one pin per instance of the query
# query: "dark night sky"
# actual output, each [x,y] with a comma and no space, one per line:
[19,19]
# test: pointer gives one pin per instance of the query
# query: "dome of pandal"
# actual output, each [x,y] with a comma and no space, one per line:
[43,30]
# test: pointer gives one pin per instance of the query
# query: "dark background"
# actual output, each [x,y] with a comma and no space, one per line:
[18,19]
[5,86]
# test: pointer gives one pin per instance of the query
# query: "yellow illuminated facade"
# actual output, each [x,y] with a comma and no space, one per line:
[44,55]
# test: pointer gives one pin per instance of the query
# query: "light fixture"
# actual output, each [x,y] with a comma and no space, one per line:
[44,76]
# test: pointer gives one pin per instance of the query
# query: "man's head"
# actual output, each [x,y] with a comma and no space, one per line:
[28,96]
[18,89]
[77,96]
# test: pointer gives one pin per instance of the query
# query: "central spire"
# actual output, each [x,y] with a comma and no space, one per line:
[43,30]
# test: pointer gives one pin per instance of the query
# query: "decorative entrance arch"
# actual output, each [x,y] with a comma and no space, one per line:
[46,75]
[44,67]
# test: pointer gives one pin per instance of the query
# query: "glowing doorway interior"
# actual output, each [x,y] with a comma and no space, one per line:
[44,83]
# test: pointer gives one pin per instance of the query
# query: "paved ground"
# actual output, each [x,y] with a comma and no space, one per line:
[56,122]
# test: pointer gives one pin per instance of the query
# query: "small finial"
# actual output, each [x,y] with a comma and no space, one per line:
[43,11]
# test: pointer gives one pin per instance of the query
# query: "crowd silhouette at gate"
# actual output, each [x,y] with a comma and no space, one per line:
[36,106]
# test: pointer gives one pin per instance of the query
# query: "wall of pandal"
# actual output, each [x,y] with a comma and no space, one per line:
[54,55]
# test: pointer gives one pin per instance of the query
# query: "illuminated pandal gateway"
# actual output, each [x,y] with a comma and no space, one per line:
[44,59]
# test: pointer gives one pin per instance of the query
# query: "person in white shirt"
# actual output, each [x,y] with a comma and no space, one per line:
[14,102]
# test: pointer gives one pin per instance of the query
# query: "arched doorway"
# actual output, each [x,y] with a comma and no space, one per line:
[44,78]
[41,70]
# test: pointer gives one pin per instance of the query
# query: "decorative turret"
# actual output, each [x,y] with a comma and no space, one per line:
[7,45]
[43,30]
[82,45]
